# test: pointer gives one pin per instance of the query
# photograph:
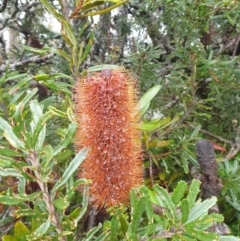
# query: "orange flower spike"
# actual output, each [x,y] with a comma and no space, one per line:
[106,113]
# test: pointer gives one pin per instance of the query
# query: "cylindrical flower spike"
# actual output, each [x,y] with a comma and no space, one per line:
[106,113]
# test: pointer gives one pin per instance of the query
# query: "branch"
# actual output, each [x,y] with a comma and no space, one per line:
[33,160]
[4,5]
[35,59]
[236,46]
[16,10]
[3,53]
[213,135]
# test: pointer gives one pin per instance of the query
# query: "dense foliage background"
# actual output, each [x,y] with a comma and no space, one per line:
[185,55]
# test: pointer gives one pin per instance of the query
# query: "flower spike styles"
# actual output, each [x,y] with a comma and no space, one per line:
[106,113]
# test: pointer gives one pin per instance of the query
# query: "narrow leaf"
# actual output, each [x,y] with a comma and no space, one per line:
[75,163]
[166,199]
[203,236]
[42,229]
[114,228]
[137,211]
[63,54]
[92,232]
[201,209]
[9,134]
[67,139]
[70,34]
[178,192]
[20,230]
[9,238]
[144,109]
[52,10]
[228,238]
[148,96]
[8,200]
[103,67]
[193,192]
[184,210]
[38,133]
[84,203]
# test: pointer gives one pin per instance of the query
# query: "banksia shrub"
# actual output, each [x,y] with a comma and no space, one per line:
[106,113]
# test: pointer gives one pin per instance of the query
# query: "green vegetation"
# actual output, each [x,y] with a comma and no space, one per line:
[185,55]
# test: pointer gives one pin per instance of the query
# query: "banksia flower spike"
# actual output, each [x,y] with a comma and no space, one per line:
[106,113]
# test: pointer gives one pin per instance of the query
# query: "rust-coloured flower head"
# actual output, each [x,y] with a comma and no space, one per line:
[106,113]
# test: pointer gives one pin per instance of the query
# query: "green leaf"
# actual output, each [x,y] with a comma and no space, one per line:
[52,10]
[114,228]
[64,54]
[195,132]
[36,110]
[184,210]
[137,210]
[154,124]
[69,32]
[67,138]
[193,192]
[61,203]
[9,134]
[10,172]
[64,155]
[148,96]
[103,67]
[206,221]
[32,196]
[20,106]
[92,232]
[178,192]
[124,224]
[46,156]
[8,152]
[9,200]
[203,236]
[144,109]
[39,232]
[21,186]
[39,131]
[9,238]
[90,5]
[166,199]
[58,112]
[148,206]
[20,231]
[201,209]
[228,238]
[87,48]
[75,163]
[84,203]
[133,237]
[37,50]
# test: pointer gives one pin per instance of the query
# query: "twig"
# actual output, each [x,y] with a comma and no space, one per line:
[236,46]
[33,160]
[3,24]
[158,210]
[213,135]
[92,218]
[150,169]
[189,111]
[217,137]
[233,151]
[35,59]
[165,234]
[172,102]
